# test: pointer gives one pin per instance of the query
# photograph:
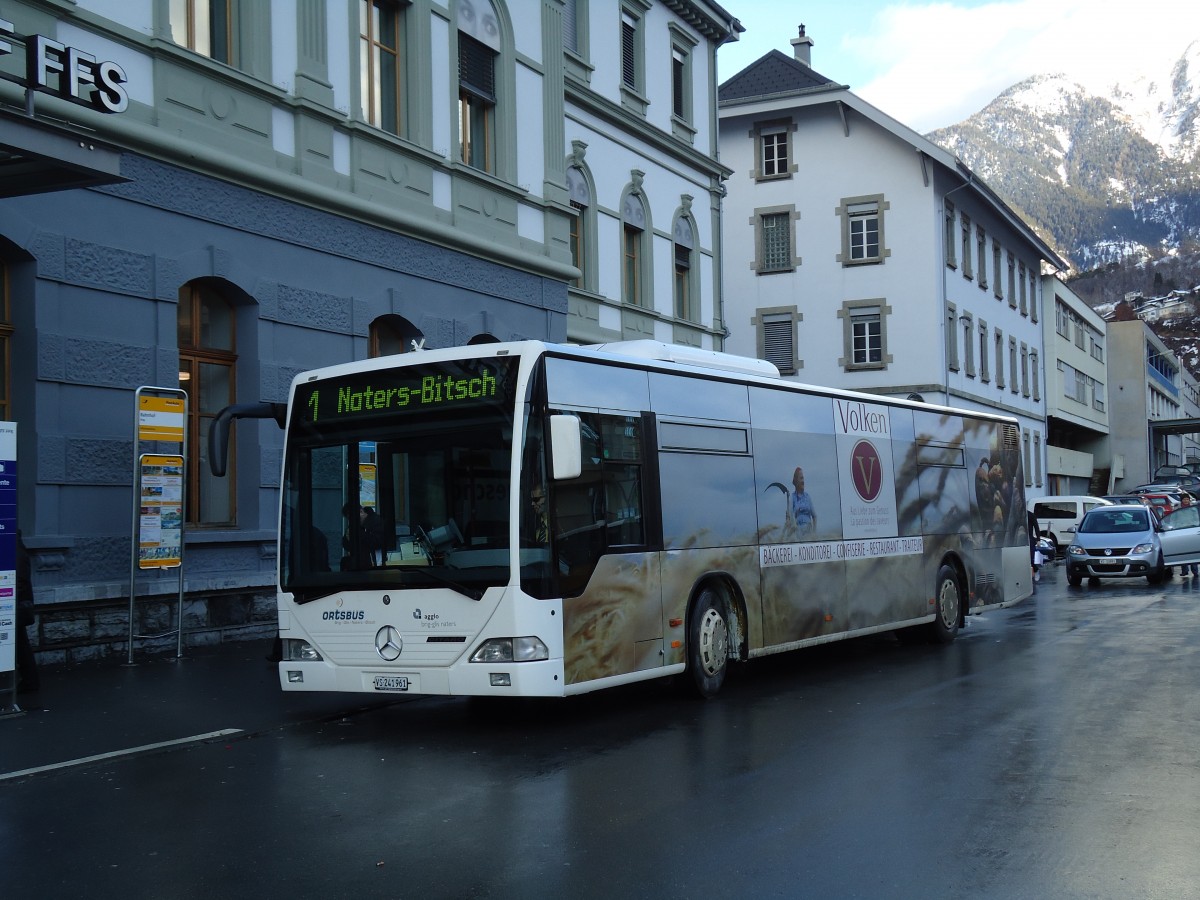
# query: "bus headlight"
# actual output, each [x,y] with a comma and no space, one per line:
[518,649]
[295,650]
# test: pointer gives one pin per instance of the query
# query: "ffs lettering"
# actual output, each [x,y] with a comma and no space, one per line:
[70,73]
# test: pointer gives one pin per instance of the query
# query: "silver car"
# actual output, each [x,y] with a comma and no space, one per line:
[1179,535]
[1125,542]
[1116,542]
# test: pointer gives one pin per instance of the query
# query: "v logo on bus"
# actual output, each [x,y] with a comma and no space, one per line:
[867,471]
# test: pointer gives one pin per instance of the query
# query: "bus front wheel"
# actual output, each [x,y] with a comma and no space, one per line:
[708,643]
[949,606]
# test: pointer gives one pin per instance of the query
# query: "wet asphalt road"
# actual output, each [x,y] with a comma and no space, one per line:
[1053,751]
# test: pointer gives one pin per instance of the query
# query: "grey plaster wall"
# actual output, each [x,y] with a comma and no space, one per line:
[95,278]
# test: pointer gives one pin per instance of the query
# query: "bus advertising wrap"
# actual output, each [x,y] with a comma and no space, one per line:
[622,518]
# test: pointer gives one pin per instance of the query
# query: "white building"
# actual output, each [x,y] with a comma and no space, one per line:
[858,254]
[1190,450]
[1076,392]
[641,149]
[1145,394]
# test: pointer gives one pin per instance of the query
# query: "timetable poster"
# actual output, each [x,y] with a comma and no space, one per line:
[160,517]
[8,546]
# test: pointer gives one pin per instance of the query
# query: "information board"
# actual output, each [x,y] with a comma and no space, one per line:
[8,547]
[161,418]
[160,517]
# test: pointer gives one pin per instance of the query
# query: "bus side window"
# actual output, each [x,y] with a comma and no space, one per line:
[623,492]
[623,460]
[602,508]
[576,536]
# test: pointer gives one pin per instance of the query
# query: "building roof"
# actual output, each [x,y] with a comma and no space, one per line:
[707,17]
[773,80]
[775,73]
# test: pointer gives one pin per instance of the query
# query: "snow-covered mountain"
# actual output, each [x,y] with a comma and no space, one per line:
[1103,173]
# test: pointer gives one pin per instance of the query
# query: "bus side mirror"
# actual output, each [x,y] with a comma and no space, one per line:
[566,447]
[218,432]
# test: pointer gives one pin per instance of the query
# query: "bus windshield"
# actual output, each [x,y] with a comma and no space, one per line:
[399,478]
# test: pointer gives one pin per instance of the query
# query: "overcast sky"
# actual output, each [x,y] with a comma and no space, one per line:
[931,64]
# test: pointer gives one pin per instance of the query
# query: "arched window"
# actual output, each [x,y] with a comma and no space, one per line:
[392,334]
[479,46]
[686,280]
[635,244]
[207,372]
[582,227]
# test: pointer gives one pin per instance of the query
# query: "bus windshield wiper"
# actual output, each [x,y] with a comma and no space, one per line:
[468,592]
[308,595]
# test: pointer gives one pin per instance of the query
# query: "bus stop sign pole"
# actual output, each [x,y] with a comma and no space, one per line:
[10,620]
[159,480]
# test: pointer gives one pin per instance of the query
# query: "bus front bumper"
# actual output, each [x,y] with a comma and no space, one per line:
[524,679]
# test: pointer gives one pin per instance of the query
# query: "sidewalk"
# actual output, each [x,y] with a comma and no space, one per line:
[108,708]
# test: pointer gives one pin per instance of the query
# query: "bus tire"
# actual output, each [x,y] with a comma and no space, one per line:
[949,606]
[708,643]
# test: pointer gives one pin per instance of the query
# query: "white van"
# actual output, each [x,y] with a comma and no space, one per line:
[1057,514]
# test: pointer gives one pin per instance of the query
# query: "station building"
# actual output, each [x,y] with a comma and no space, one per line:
[860,255]
[216,196]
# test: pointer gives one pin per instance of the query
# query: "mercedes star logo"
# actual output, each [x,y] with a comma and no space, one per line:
[388,643]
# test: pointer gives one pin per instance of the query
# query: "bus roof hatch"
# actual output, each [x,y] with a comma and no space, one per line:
[690,356]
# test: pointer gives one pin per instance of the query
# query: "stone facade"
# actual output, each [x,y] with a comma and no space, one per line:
[261,175]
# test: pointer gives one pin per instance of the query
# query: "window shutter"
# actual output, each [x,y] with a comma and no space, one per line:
[628,53]
[677,73]
[779,344]
[570,27]
[683,257]
[476,68]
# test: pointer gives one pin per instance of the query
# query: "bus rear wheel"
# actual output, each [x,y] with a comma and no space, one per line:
[708,643]
[949,606]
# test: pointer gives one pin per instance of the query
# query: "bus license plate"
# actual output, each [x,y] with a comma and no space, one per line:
[391,683]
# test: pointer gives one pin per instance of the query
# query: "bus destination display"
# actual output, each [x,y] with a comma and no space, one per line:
[369,394]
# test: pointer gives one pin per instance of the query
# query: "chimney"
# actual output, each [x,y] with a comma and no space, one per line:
[802,48]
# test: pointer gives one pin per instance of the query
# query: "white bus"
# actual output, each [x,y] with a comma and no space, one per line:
[530,519]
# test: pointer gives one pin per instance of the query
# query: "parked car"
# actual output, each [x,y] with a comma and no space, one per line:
[1182,482]
[1123,498]
[1177,492]
[1116,542]
[1163,502]
[1124,541]
[1156,486]
[1163,472]
[1058,516]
